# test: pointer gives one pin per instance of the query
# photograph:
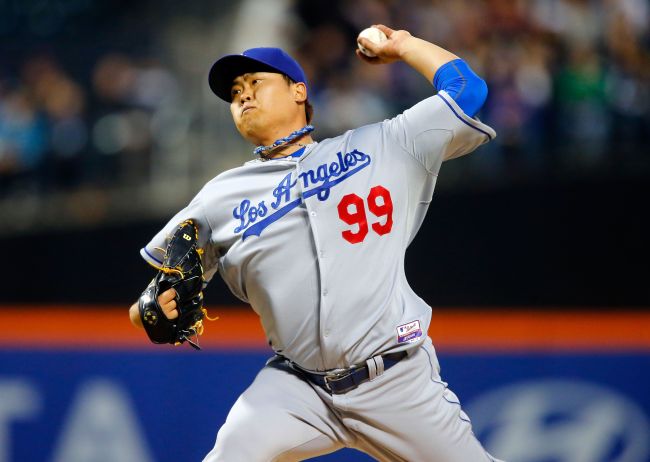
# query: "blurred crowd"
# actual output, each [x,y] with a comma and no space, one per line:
[569,91]
[56,133]
[569,80]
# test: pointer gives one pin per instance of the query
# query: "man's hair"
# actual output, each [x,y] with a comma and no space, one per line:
[309,109]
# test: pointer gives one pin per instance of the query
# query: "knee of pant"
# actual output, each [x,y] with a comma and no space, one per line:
[257,436]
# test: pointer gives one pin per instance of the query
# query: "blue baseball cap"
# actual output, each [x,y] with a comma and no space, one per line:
[263,59]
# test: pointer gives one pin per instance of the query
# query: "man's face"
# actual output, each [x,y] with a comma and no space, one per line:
[262,104]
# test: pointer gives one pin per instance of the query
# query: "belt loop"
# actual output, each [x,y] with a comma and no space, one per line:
[372,369]
[379,360]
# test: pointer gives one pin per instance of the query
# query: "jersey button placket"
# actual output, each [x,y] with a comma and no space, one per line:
[323,307]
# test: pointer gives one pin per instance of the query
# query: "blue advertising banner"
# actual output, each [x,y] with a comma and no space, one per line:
[82,406]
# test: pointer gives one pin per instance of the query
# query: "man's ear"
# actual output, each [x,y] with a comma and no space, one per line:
[299,92]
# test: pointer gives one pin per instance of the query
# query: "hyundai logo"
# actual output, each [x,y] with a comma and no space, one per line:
[561,421]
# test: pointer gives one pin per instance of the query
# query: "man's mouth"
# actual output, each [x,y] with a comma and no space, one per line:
[246,109]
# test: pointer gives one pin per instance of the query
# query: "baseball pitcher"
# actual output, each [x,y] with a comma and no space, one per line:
[313,235]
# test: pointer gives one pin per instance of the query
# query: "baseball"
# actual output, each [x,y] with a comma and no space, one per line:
[374,35]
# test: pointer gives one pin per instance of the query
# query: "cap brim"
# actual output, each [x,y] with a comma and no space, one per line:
[228,68]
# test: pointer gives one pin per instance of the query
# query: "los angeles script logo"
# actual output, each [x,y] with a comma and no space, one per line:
[254,219]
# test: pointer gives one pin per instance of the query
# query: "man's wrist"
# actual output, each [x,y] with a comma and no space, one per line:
[408,47]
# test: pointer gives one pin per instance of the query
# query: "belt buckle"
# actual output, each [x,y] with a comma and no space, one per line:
[337,375]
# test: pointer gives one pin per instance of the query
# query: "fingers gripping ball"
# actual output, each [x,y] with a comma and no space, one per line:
[182,271]
[374,35]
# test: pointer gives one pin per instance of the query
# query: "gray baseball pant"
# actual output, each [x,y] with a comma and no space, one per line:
[405,414]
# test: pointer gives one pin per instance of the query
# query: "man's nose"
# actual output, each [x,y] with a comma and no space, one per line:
[246,94]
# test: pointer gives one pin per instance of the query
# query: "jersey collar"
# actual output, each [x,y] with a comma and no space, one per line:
[298,153]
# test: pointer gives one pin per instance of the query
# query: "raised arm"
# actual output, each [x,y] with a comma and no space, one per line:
[423,56]
[443,69]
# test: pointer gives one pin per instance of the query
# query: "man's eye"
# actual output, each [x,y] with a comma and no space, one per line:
[235,91]
[256,81]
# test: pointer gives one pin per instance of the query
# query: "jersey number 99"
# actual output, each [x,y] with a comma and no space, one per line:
[352,211]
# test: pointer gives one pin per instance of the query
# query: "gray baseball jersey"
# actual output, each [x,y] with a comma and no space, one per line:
[316,243]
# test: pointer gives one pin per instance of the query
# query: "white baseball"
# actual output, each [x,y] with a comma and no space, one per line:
[374,35]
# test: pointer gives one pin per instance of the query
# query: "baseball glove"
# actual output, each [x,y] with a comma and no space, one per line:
[181,270]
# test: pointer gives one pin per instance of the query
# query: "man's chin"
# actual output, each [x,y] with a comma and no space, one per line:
[253,137]
[250,134]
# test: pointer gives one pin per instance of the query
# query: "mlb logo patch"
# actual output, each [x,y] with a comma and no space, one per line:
[408,333]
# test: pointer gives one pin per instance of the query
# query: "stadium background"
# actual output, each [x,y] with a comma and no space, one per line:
[534,254]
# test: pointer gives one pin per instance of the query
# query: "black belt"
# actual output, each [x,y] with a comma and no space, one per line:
[346,380]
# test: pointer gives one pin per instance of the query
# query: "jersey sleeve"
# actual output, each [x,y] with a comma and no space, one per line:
[153,253]
[437,129]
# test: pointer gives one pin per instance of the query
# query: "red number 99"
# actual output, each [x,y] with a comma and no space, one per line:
[355,217]
[385,208]
[353,212]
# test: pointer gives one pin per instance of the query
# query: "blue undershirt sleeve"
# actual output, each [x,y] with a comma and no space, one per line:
[462,84]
